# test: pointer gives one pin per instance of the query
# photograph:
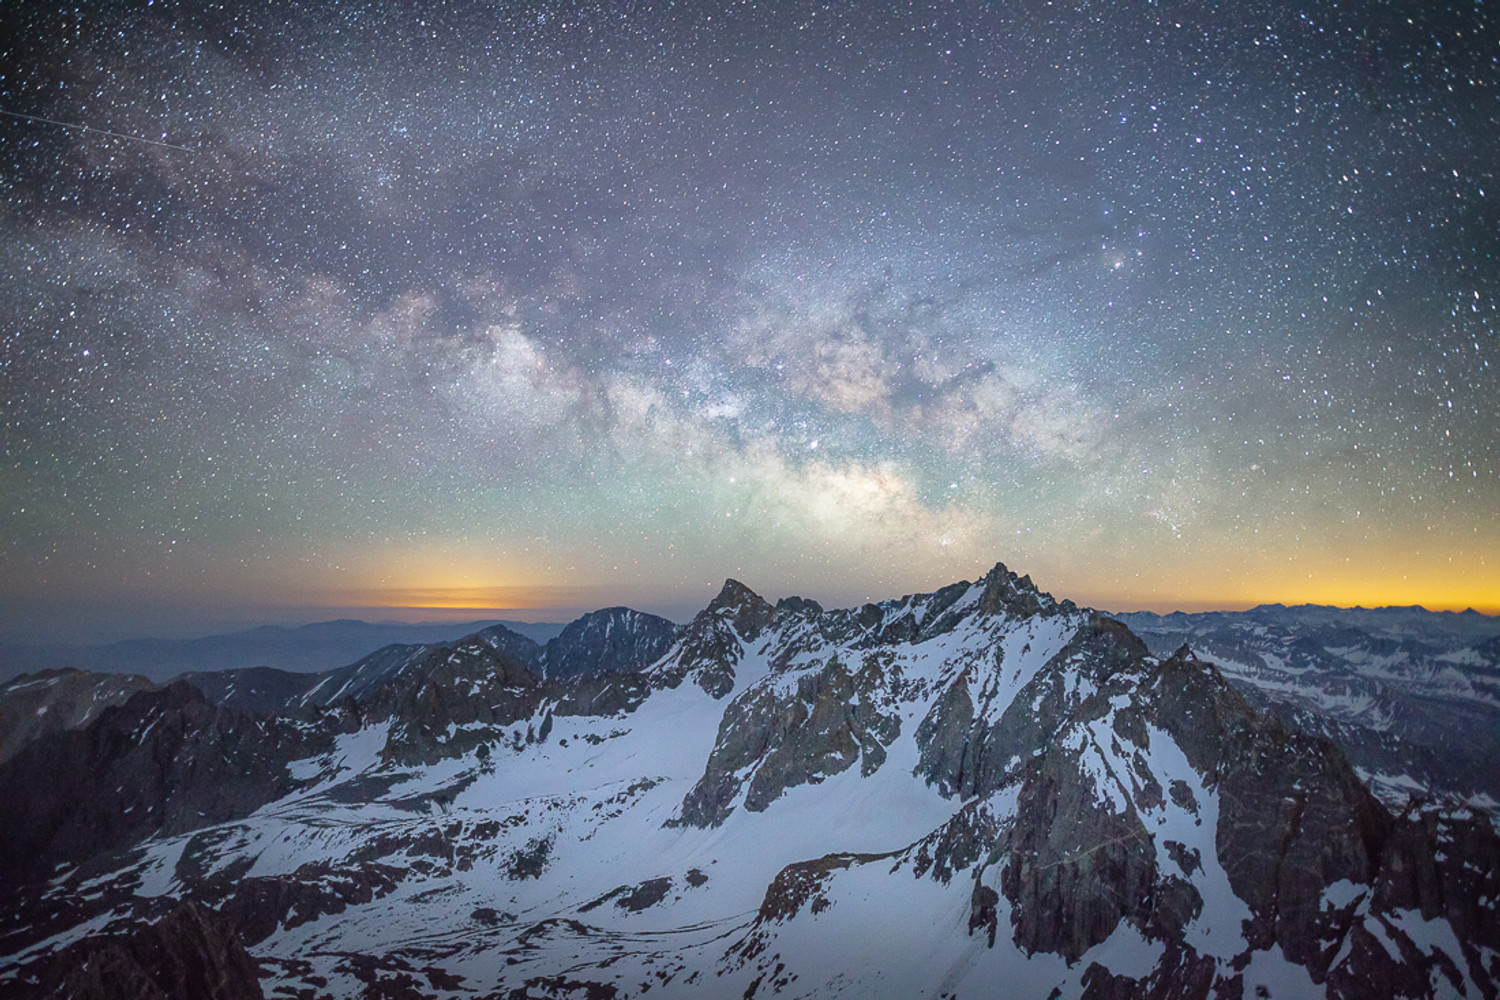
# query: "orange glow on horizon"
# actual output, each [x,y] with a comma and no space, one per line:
[1443,571]
[1197,605]
[467,598]
[440,575]
[575,600]
[445,579]
[1445,596]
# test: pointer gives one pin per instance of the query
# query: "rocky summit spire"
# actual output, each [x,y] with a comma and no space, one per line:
[732,594]
[746,610]
[1006,593]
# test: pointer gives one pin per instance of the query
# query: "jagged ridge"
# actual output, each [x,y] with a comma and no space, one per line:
[1038,801]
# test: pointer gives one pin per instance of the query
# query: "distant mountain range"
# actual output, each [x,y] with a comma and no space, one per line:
[981,791]
[320,646]
[1410,620]
[1411,696]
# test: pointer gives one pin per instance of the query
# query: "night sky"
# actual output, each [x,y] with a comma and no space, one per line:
[404,307]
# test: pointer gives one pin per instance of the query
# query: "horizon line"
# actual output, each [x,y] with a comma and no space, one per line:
[287,617]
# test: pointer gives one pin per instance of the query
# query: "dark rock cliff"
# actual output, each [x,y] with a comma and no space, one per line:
[190,953]
[612,641]
[164,762]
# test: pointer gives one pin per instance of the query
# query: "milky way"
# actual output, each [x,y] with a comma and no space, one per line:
[553,306]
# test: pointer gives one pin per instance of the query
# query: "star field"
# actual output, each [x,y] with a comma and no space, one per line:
[554,306]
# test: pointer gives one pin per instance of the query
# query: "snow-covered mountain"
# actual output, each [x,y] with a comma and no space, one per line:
[601,642]
[977,792]
[1411,696]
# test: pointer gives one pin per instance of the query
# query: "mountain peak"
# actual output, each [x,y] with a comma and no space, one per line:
[1185,654]
[1005,592]
[747,610]
[920,765]
[799,606]
[733,595]
[609,641]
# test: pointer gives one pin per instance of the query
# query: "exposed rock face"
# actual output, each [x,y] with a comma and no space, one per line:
[914,622]
[800,885]
[712,644]
[612,641]
[974,742]
[600,695]
[262,690]
[826,723]
[454,687]
[1439,866]
[191,953]
[1279,788]
[260,906]
[956,846]
[164,762]
[926,796]
[1412,698]
[1065,848]
[1009,594]
[746,611]
[35,705]
[446,703]
[1071,839]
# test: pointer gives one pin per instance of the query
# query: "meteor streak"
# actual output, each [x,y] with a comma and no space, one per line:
[98,131]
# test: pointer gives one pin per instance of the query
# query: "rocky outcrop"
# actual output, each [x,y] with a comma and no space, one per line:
[190,953]
[949,752]
[164,762]
[802,885]
[262,905]
[712,643]
[1182,974]
[1434,865]
[456,696]
[1079,857]
[958,845]
[600,695]
[1442,865]
[435,705]
[36,705]
[782,736]
[914,619]
[917,618]
[612,641]
[745,611]
[971,750]
[1076,866]
[1005,593]
[1275,788]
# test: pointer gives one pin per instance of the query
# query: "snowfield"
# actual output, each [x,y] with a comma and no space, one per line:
[974,793]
